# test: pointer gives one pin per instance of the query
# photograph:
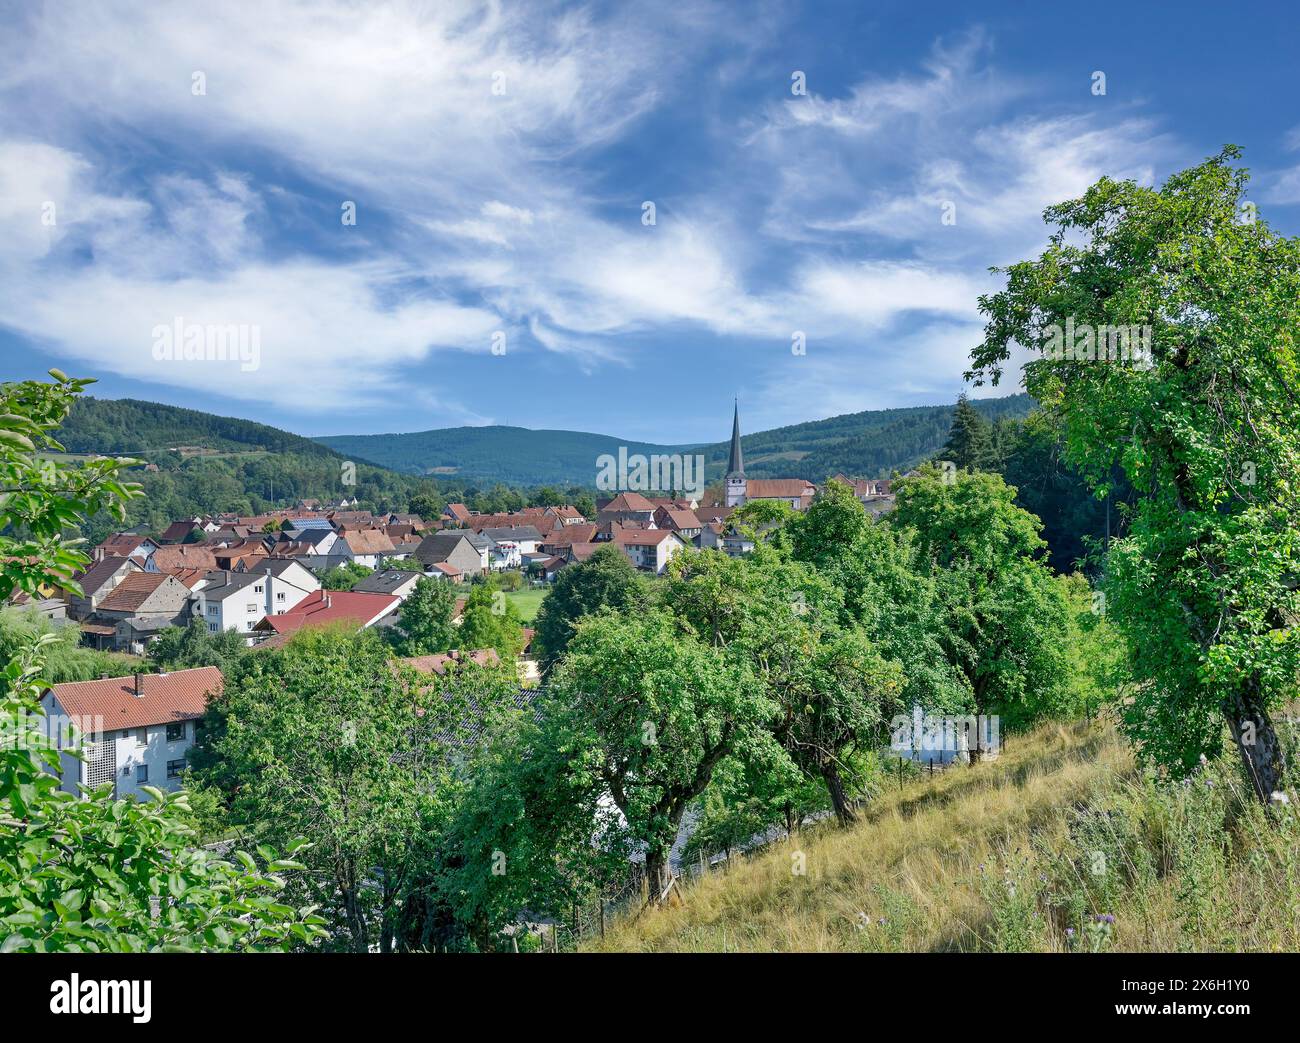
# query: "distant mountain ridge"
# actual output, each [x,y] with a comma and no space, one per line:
[868,444]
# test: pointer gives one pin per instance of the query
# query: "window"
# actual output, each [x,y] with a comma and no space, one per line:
[280,596]
[258,589]
[248,625]
[250,607]
[212,627]
[212,610]
[141,774]
[176,731]
[174,768]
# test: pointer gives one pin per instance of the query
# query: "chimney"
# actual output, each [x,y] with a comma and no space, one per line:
[139,686]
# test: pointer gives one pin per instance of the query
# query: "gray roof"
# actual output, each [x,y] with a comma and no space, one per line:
[221,585]
[385,582]
[528,702]
[513,532]
[441,544]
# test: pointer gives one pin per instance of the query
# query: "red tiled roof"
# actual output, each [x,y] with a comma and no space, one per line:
[446,569]
[121,544]
[458,511]
[569,534]
[133,591]
[369,541]
[628,502]
[437,664]
[178,696]
[331,606]
[189,577]
[778,488]
[642,537]
[185,556]
[678,519]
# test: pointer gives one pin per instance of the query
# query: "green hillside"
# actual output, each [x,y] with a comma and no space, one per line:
[127,426]
[513,455]
[870,444]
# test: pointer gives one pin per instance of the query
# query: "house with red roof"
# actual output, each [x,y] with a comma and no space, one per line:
[132,731]
[649,549]
[324,607]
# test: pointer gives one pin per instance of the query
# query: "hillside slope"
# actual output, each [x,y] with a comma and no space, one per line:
[125,425]
[1009,855]
[870,443]
[513,455]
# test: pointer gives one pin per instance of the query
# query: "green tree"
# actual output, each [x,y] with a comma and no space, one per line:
[1203,425]
[327,735]
[1006,621]
[491,620]
[424,624]
[970,439]
[343,577]
[179,648]
[645,714]
[779,619]
[887,591]
[87,873]
[428,505]
[605,580]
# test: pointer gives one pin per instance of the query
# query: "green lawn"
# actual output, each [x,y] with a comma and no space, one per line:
[527,601]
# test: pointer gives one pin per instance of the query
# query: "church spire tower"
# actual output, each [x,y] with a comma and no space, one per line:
[735,480]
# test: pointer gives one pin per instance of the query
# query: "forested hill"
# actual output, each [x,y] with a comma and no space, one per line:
[513,455]
[867,444]
[126,426]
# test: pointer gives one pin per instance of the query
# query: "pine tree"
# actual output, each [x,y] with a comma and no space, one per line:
[969,444]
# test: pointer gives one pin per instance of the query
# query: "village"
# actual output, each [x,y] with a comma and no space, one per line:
[261,576]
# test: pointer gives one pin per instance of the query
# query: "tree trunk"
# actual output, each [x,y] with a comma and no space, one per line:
[1248,719]
[835,786]
[658,874]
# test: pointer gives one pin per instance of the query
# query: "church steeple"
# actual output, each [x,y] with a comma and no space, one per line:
[736,485]
[736,466]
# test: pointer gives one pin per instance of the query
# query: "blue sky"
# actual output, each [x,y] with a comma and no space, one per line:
[519,210]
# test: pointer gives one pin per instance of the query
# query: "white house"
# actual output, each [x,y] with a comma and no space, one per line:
[132,731]
[510,543]
[366,547]
[649,549]
[238,600]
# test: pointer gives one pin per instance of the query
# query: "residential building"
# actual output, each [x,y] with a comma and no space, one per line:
[510,544]
[239,600]
[466,551]
[682,521]
[126,545]
[389,581]
[367,546]
[141,605]
[330,606]
[649,549]
[627,507]
[138,728]
[97,582]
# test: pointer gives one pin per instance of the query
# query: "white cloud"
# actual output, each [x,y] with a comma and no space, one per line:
[483,211]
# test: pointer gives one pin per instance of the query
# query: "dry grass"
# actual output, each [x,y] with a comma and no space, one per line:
[1004,855]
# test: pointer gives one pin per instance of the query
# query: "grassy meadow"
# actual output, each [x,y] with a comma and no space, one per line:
[1060,844]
